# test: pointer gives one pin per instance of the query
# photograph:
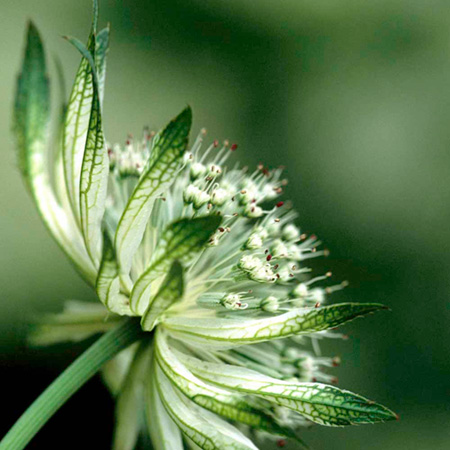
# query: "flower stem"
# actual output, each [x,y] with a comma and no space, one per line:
[80,371]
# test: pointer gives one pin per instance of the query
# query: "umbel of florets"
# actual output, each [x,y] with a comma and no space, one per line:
[205,255]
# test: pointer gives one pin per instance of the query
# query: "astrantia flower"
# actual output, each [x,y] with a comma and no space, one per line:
[203,255]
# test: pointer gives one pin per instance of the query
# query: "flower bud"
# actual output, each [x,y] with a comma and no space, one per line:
[233,302]
[214,171]
[269,192]
[190,192]
[300,291]
[252,211]
[219,197]
[263,274]
[290,232]
[270,304]
[249,262]
[273,228]
[279,249]
[254,241]
[200,199]
[198,170]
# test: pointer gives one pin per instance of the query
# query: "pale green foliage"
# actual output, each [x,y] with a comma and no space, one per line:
[227,333]
[108,282]
[32,106]
[326,405]
[127,415]
[170,291]
[165,160]
[181,241]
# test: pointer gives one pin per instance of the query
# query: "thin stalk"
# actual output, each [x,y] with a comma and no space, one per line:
[78,373]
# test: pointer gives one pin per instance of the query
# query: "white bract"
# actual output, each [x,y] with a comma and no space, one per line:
[204,256]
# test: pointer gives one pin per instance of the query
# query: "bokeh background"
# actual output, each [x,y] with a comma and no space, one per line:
[352,96]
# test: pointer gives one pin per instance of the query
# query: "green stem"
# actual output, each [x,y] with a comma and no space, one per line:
[80,371]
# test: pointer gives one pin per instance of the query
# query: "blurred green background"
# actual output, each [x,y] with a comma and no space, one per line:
[353,97]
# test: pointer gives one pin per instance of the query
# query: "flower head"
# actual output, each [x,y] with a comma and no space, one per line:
[207,257]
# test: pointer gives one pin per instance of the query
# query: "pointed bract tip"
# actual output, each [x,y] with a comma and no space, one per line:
[188,111]
[33,35]
[31,27]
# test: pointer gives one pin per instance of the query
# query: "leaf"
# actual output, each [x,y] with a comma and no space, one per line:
[165,160]
[114,372]
[101,50]
[94,15]
[129,404]
[170,291]
[31,127]
[181,241]
[76,128]
[108,283]
[219,401]
[94,166]
[32,105]
[320,403]
[94,181]
[164,433]
[205,430]
[78,321]
[225,332]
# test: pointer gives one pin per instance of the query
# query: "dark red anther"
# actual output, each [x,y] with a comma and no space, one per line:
[221,229]
[216,143]
[269,257]
[276,266]
[280,204]
[317,305]
[266,172]
[313,379]
[281,443]
[233,147]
